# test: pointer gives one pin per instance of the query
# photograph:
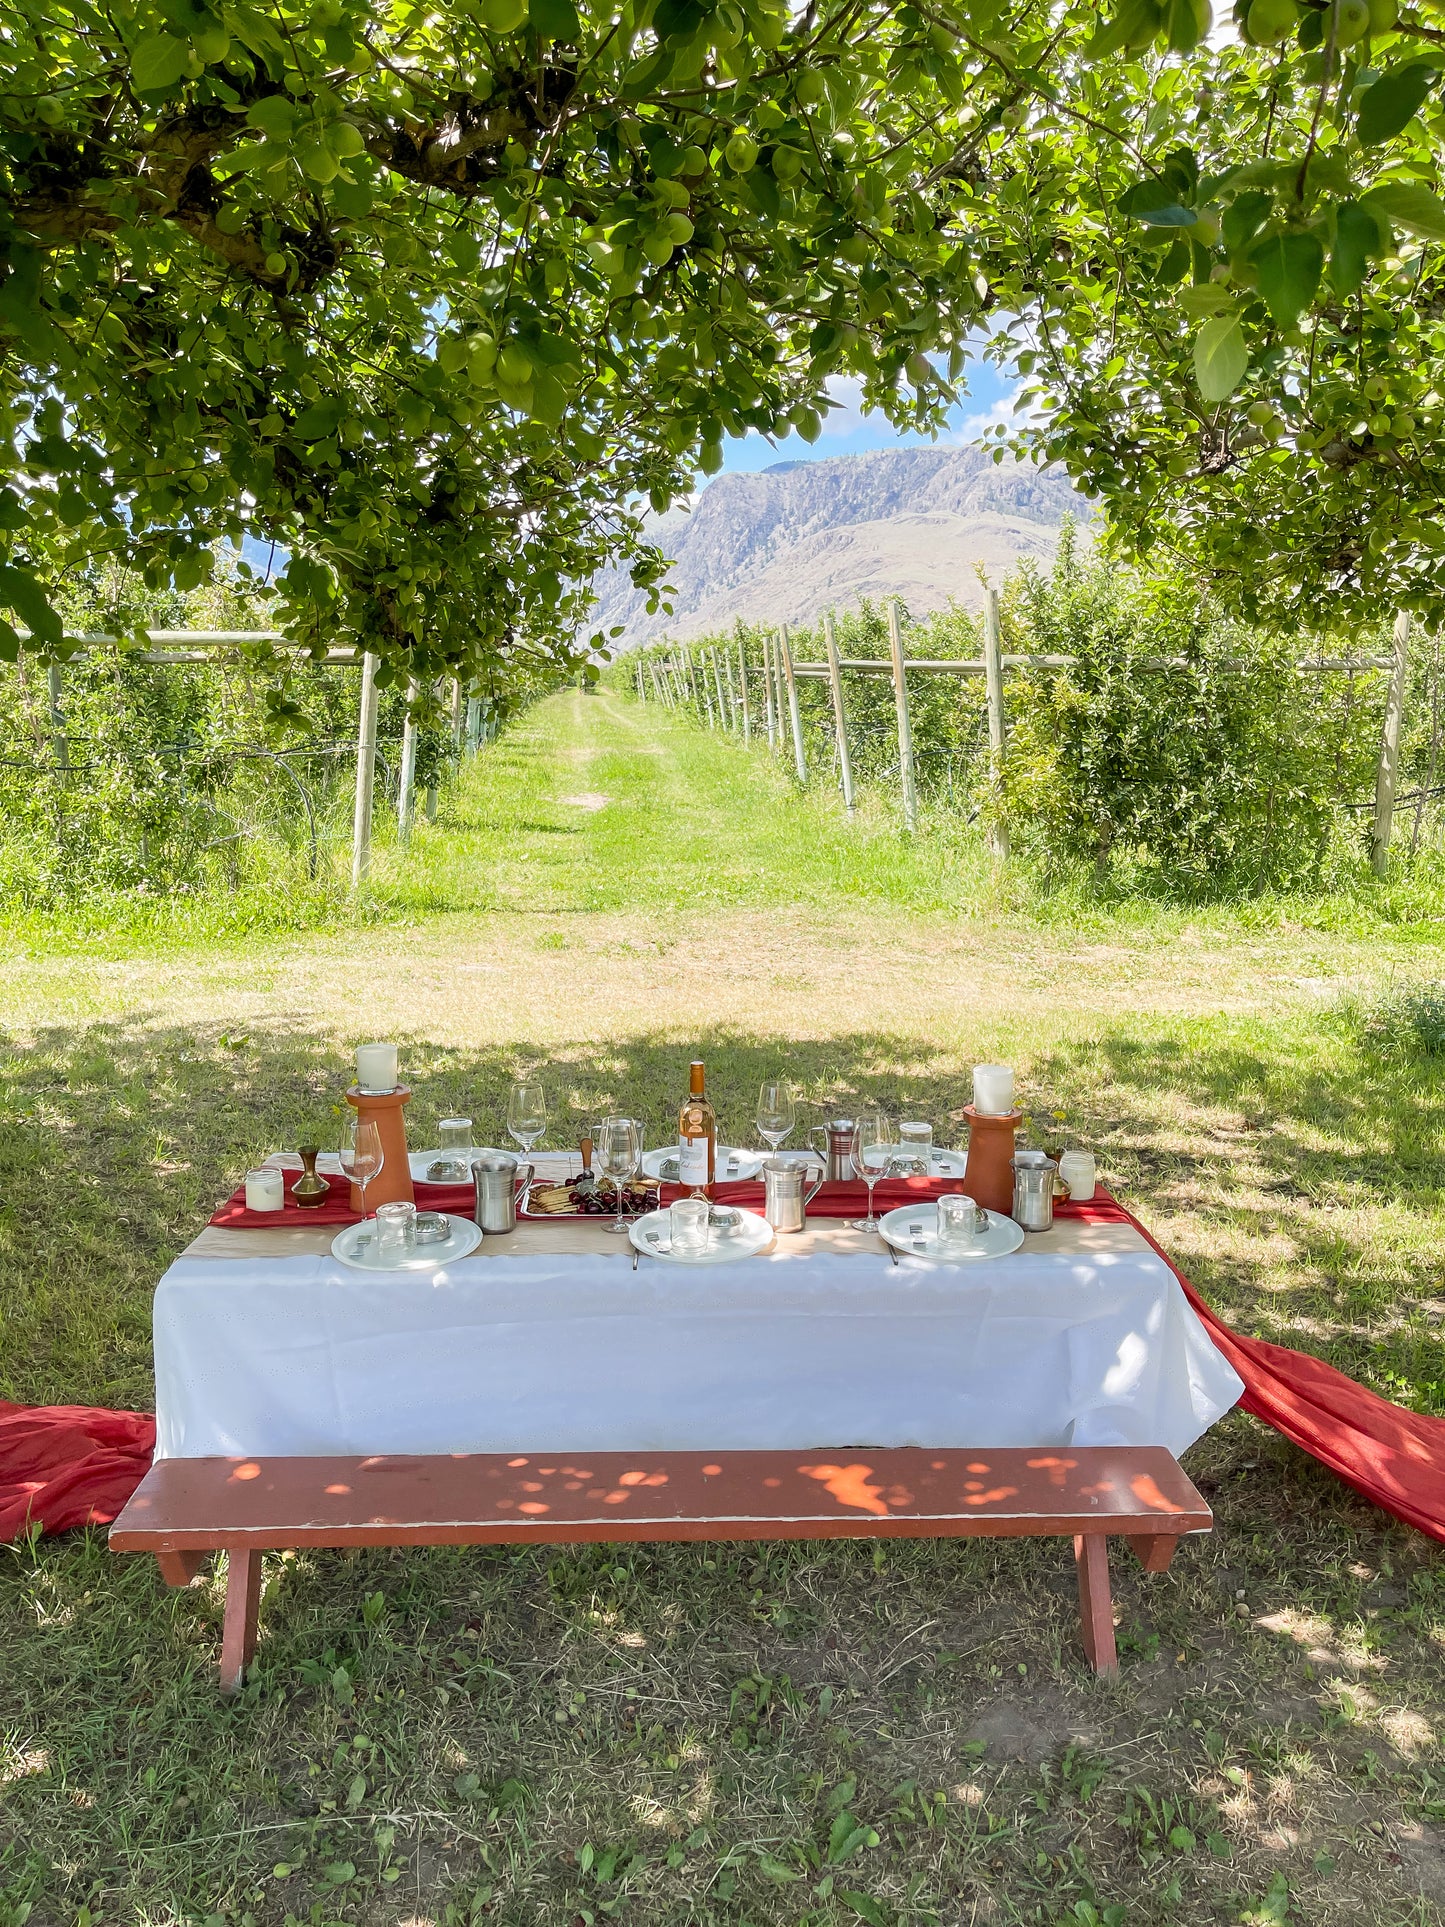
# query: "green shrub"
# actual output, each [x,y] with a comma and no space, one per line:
[1406,1021]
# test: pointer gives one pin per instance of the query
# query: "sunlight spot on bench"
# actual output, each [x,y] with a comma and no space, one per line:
[546,1470]
[516,1461]
[249,1471]
[533,1505]
[848,1484]
[999,1493]
[572,1485]
[597,1492]
[772,1484]
[531,1485]
[977,1467]
[633,1478]
[655,1478]
[616,1498]
[337,1489]
[711,1471]
[1143,1487]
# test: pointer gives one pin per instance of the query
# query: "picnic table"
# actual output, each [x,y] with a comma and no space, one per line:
[544,1390]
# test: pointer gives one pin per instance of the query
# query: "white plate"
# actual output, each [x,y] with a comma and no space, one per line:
[753,1235]
[347,1245]
[732,1164]
[419,1160]
[914,1228]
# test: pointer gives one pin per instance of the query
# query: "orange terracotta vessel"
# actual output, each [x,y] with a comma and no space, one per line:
[988,1176]
[392,1184]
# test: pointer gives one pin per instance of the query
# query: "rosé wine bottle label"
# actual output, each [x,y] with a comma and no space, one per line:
[692,1160]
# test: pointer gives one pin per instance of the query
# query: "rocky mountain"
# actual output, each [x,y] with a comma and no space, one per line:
[804,537]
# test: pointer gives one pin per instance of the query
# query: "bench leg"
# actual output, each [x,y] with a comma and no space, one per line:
[238,1634]
[180,1568]
[1096,1608]
[1154,1550]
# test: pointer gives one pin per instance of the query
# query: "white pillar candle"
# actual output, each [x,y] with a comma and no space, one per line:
[376,1068]
[993,1089]
[1076,1168]
[264,1191]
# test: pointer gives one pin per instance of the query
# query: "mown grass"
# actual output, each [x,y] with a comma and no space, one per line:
[810,1735]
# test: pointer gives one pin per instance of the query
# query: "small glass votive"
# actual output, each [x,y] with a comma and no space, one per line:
[265,1190]
[432,1227]
[688,1222]
[959,1219]
[1076,1168]
[915,1149]
[453,1165]
[395,1229]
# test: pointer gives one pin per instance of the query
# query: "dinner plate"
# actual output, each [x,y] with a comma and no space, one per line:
[419,1160]
[355,1246]
[653,1237]
[732,1164]
[914,1228]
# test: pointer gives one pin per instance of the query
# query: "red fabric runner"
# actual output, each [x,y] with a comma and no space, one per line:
[233,1215]
[69,1465]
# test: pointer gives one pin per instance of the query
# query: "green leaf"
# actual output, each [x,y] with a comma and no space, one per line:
[1357,238]
[1208,298]
[275,116]
[865,1908]
[1391,103]
[158,62]
[20,591]
[556,20]
[9,642]
[321,419]
[1408,205]
[1290,266]
[1220,357]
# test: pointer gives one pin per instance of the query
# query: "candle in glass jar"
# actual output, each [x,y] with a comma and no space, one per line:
[264,1191]
[376,1067]
[993,1089]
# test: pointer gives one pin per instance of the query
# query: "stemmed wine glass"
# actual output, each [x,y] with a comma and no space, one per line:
[875,1145]
[776,1114]
[619,1152]
[526,1113]
[361,1155]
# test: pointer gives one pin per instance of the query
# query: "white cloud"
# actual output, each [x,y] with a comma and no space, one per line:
[976,428]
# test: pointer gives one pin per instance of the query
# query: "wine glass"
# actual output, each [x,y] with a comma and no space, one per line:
[361,1154]
[875,1145]
[526,1113]
[776,1114]
[618,1152]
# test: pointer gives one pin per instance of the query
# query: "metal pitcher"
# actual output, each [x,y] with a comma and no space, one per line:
[1034,1190]
[495,1176]
[837,1134]
[785,1202]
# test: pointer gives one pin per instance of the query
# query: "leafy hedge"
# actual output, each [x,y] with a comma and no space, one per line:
[1178,749]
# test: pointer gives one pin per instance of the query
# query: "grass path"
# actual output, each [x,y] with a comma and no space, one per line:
[668,1735]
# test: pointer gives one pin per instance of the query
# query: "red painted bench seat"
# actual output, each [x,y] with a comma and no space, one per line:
[186,1508]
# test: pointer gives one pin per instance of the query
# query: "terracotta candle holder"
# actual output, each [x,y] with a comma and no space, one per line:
[988,1175]
[392,1184]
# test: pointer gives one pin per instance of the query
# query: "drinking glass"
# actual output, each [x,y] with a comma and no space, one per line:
[688,1224]
[395,1229]
[361,1154]
[526,1113]
[453,1165]
[875,1146]
[776,1114]
[618,1152]
[915,1141]
[959,1219]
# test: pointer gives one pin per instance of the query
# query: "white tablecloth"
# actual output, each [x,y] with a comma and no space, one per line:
[569,1352]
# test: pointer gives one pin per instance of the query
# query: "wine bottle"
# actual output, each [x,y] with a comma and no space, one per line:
[697,1137]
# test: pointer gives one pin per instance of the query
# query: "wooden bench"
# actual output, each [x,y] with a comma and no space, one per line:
[186,1508]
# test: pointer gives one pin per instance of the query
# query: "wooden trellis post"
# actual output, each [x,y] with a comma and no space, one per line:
[794,714]
[722,708]
[456,712]
[641,686]
[840,722]
[365,774]
[1388,770]
[743,692]
[705,691]
[905,727]
[725,655]
[997,723]
[768,690]
[60,746]
[407,781]
[474,724]
[778,704]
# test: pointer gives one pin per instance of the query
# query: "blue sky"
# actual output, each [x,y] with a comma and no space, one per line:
[847,431]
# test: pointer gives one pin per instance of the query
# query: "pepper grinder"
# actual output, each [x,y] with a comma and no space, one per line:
[309,1189]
